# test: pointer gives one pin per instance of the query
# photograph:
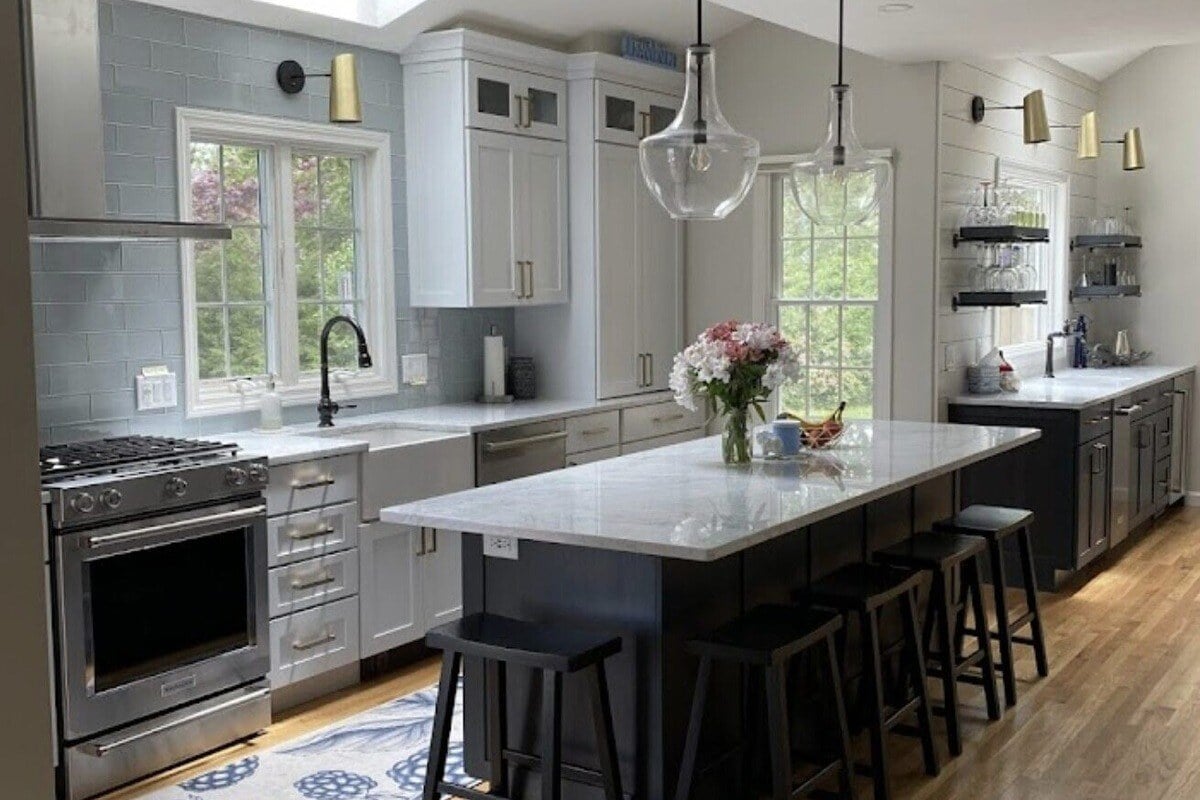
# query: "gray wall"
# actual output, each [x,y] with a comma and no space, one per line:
[103,311]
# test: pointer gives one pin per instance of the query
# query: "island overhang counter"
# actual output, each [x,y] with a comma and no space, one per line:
[662,545]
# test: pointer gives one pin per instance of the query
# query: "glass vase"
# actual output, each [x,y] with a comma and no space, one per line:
[736,445]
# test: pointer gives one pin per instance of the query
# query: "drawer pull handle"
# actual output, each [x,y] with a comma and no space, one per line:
[299,536]
[668,418]
[1165,395]
[316,483]
[594,431]
[515,444]
[316,641]
[320,579]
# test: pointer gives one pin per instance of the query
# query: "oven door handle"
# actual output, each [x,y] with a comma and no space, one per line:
[101,749]
[92,542]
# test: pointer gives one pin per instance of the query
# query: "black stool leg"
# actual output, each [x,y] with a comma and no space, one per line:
[497,730]
[973,584]
[551,735]
[687,767]
[1031,600]
[442,719]
[778,734]
[606,741]
[996,554]
[917,662]
[939,597]
[873,677]
[846,778]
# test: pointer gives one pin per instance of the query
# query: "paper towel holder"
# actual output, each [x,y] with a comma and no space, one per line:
[487,396]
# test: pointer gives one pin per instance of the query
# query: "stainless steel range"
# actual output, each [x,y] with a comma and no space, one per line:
[159,560]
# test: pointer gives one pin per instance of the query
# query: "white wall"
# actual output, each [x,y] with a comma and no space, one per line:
[967,155]
[1158,93]
[773,84]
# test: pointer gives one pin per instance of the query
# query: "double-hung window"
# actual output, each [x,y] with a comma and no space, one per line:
[830,295]
[310,207]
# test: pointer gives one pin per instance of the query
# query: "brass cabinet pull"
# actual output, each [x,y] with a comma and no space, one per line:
[641,368]
[316,641]
[594,431]
[529,282]
[519,280]
[650,369]
[320,579]
[668,418]
[299,536]
[520,101]
[421,549]
[645,115]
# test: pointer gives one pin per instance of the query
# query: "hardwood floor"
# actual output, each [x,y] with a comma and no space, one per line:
[1116,720]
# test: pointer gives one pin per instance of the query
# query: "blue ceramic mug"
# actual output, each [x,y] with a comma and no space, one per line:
[788,432]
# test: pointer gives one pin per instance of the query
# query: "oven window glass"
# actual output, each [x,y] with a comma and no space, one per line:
[164,607]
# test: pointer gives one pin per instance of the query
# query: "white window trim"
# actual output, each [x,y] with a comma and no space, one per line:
[763,280]
[1058,287]
[378,300]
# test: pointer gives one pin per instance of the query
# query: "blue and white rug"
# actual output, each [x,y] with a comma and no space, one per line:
[377,755]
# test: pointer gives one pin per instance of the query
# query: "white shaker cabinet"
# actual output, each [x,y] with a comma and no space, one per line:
[390,587]
[625,115]
[486,166]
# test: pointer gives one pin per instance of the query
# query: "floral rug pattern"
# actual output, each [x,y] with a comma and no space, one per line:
[377,755]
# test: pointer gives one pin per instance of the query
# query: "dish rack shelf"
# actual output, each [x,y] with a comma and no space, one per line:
[1002,234]
[1101,292]
[1105,241]
[990,299]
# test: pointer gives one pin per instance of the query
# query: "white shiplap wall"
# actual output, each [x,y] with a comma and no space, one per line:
[967,154]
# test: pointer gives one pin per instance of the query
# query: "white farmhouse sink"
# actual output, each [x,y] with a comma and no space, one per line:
[406,464]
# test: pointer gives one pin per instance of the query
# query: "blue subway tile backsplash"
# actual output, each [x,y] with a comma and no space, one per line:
[102,311]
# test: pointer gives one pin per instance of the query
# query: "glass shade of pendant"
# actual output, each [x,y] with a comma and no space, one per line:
[842,182]
[699,167]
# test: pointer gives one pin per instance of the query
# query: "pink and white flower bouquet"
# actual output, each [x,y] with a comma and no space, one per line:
[732,367]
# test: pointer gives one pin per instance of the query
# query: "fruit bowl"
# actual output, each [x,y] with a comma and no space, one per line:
[820,435]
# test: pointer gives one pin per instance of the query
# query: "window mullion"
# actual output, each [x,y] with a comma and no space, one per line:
[287,325]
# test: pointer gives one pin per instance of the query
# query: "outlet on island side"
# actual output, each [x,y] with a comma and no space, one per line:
[500,547]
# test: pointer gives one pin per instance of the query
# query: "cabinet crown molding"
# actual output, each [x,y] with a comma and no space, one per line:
[607,67]
[468,44]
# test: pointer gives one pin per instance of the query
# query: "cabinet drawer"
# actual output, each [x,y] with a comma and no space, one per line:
[308,484]
[593,431]
[310,583]
[659,419]
[591,456]
[662,441]
[304,534]
[311,642]
[1094,422]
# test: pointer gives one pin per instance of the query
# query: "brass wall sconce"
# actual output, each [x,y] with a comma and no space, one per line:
[344,103]
[1033,108]
[1088,146]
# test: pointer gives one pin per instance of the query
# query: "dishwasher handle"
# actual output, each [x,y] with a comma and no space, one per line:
[525,441]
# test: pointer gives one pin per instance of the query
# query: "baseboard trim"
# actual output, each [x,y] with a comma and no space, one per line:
[1192,499]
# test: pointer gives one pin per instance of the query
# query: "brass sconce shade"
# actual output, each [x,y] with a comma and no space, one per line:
[1089,136]
[344,102]
[1134,157]
[1037,126]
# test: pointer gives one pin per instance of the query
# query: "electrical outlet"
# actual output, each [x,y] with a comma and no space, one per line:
[156,388]
[500,547]
[414,369]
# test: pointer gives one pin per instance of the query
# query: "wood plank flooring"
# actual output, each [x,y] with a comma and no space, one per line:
[1117,719]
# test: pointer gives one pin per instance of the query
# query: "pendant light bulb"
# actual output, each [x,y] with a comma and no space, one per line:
[699,167]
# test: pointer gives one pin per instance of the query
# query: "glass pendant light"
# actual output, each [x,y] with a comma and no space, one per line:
[699,167]
[841,183]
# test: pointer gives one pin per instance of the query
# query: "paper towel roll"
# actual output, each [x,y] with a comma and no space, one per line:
[493,366]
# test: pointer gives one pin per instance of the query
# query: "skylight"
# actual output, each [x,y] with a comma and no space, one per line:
[376,13]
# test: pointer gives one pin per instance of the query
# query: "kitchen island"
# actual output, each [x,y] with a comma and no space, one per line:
[662,545]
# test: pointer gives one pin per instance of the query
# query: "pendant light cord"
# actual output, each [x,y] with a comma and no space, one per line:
[839,152]
[699,21]
[701,136]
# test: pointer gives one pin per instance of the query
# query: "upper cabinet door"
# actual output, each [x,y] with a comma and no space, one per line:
[510,101]
[618,301]
[495,198]
[626,116]
[543,206]
[660,286]
[660,110]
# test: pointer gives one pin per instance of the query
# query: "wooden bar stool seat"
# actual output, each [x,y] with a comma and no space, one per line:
[941,554]
[554,650]
[768,638]
[863,590]
[997,524]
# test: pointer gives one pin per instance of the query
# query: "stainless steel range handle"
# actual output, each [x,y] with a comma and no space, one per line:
[316,483]
[316,641]
[170,527]
[515,444]
[299,536]
[101,749]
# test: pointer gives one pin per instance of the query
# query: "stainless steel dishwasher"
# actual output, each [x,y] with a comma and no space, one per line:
[511,453]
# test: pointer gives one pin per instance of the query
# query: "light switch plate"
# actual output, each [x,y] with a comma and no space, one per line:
[414,369]
[156,388]
[500,547]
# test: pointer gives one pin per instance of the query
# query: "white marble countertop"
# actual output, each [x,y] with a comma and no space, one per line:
[682,502]
[288,447]
[1075,388]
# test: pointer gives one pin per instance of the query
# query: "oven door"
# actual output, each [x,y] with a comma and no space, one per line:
[157,613]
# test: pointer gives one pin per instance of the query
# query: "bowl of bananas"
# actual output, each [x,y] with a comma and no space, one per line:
[819,435]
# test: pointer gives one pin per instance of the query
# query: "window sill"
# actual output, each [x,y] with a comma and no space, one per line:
[218,402]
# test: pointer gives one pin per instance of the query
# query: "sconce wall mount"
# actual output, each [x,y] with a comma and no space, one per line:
[344,103]
[1037,125]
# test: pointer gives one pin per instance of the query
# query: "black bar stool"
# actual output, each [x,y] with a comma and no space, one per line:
[939,554]
[555,650]
[996,524]
[863,590]
[768,638]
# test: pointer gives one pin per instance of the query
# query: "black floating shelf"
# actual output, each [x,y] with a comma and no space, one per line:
[1093,292]
[1103,241]
[986,299]
[1002,234]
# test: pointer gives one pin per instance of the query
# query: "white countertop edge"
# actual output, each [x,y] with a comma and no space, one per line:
[287,448]
[1015,400]
[668,550]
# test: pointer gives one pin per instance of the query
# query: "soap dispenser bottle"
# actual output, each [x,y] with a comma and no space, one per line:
[270,408]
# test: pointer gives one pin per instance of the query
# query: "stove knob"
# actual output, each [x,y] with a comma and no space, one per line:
[111,498]
[84,503]
[258,473]
[176,486]
[236,476]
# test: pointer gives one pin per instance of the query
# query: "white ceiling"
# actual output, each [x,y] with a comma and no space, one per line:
[1101,64]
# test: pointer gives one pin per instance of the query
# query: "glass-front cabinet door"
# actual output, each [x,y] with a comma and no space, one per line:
[511,101]
[626,115]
